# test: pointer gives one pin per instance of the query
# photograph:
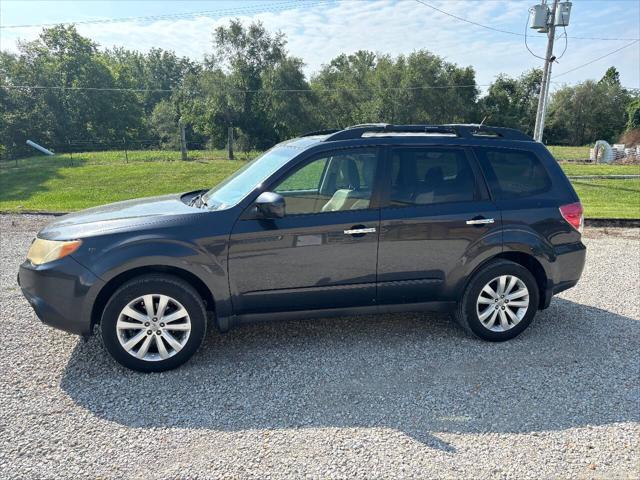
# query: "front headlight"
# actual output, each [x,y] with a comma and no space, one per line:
[43,251]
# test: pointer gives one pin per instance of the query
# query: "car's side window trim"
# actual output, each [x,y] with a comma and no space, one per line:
[481,192]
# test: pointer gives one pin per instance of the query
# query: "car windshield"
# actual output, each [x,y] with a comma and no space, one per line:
[236,187]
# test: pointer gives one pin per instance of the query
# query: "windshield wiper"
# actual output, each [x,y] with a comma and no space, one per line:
[198,201]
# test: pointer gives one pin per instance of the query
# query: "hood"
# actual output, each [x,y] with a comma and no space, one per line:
[117,216]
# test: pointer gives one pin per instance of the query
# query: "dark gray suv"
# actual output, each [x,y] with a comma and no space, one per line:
[480,221]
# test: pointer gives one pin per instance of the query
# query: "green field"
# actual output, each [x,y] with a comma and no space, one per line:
[119,157]
[569,153]
[64,188]
[582,169]
[58,184]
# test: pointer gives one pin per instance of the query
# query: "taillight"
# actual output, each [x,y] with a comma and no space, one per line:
[573,214]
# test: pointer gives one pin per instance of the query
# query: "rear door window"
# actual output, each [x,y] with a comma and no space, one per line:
[514,173]
[430,175]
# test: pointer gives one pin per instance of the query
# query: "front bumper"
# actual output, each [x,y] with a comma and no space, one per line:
[61,293]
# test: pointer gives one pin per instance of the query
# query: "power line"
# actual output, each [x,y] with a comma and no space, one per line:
[596,59]
[276,90]
[462,19]
[509,32]
[229,11]
[93,89]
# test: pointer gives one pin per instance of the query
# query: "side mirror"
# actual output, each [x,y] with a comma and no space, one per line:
[270,205]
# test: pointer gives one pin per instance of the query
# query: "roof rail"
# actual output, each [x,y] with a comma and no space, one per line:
[477,130]
[326,131]
[459,130]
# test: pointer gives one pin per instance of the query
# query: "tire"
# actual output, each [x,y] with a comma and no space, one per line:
[178,337]
[475,302]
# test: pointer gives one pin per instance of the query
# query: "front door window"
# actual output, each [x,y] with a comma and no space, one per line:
[337,181]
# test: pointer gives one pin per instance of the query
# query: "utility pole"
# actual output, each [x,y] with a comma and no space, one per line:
[546,74]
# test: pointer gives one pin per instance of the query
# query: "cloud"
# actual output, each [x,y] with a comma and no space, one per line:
[320,32]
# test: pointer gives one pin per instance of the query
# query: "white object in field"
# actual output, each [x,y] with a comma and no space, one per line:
[563,12]
[39,148]
[538,15]
[604,152]
[618,150]
[592,154]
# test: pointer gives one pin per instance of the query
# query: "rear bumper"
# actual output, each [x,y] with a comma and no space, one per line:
[61,293]
[565,270]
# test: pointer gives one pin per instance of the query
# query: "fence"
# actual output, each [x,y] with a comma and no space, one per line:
[126,151]
[76,152]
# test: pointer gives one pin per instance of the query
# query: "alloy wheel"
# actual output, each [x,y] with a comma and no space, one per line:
[502,303]
[153,327]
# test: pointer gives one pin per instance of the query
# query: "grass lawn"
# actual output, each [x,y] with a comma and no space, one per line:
[64,188]
[601,169]
[119,158]
[55,184]
[569,153]
[609,198]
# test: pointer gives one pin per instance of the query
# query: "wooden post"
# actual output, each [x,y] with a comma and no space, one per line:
[183,140]
[70,153]
[126,154]
[230,143]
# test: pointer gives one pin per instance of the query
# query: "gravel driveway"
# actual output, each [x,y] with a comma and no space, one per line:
[372,397]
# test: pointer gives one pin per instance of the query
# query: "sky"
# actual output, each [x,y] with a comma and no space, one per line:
[318,30]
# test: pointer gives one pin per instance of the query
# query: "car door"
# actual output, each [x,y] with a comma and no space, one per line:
[436,216]
[322,253]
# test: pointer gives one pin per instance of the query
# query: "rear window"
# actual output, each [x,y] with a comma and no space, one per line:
[514,173]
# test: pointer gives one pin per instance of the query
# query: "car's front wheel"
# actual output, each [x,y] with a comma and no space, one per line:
[153,323]
[499,302]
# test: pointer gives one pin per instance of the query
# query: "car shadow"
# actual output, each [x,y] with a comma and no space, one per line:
[418,373]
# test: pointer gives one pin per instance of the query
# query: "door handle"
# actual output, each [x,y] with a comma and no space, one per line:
[359,231]
[480,221]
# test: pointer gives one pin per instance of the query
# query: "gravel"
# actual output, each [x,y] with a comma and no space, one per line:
[405,395]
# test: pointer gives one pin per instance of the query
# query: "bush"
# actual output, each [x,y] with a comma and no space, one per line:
[630,138]
[633,115]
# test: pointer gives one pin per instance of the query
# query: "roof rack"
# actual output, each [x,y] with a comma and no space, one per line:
[458,130]
[326,131]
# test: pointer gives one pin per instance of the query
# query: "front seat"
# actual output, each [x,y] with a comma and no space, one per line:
[343,198]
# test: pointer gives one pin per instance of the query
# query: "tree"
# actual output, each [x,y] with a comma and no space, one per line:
[611,77]
[251,83]
[633,114]
[235,88]
[587,112]
[512,102]
[64,63]
[289,113]
[419,88]
[164,124]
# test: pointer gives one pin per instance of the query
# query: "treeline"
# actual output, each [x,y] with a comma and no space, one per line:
[62,91]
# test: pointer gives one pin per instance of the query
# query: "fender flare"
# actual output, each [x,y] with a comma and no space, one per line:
[149,253]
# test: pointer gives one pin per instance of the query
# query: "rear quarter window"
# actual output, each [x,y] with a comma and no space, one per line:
[514,173]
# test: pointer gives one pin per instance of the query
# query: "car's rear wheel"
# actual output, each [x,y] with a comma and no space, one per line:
[153,323]
[499,301]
